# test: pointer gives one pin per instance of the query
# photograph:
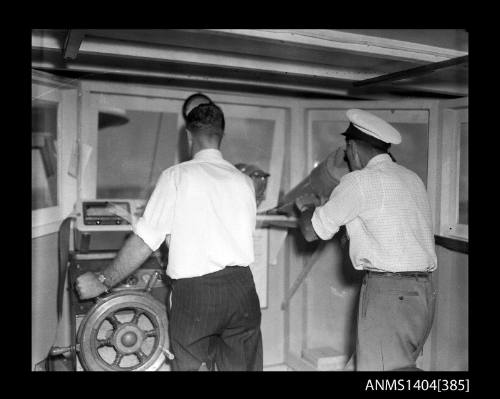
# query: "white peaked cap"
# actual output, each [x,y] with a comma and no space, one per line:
[373,126]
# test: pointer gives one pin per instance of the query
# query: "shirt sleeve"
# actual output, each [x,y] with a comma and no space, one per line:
[345,203]
[156,222]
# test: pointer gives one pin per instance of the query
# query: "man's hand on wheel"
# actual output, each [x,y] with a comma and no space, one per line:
[88,286]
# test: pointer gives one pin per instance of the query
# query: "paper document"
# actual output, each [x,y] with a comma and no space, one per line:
[259,267]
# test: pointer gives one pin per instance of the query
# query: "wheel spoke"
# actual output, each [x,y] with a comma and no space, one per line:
[113,320]
[103,342]
[137,314]
[151,333]
[141,356]
[118,359]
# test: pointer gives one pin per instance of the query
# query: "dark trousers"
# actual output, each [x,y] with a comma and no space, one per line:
[215,319]
[394,320]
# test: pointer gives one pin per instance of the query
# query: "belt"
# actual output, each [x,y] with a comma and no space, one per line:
[222,272]
[400,274]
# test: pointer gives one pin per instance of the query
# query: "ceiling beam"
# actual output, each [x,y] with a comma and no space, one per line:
[96,70]
[204,58]
[413,72]
[49,41]
[349,42]
[72,43]
[446,89]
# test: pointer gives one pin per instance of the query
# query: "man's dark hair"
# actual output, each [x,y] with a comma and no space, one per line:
[377,149]
[206,119]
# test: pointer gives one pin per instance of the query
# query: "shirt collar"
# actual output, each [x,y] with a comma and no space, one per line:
[378,159]
[208,154]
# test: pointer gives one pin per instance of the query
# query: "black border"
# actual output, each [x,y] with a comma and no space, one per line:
[311,383]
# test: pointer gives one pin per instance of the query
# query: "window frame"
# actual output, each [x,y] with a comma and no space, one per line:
[393,115]
[322,108]
[48,87]
[96,95]
[453,113]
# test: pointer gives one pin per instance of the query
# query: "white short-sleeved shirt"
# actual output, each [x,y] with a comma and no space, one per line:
[208,208]
[387,215]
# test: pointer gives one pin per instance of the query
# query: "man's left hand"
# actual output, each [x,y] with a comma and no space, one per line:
[88,286]
[306,226]
[307,200]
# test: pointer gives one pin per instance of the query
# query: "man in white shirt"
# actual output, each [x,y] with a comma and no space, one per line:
[205,208]
[387,214]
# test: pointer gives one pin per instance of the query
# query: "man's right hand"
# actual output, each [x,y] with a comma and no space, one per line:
[88,286]
[341,167]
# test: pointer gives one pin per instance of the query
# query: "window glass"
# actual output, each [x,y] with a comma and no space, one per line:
[133,152]
[412,152]
[134,147]
[463,186]
[43,154]
[326,137]
[248,141]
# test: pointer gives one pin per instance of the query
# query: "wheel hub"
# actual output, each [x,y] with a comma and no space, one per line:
[137,344]
[128,338]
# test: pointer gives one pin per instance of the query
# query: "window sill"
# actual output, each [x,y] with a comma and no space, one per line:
[453,244]
[45,229]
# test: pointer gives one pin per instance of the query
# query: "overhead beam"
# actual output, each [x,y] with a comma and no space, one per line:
[349,42]
[48,41]
[459,90]
[412,72]
[447,89]
[94,70]
[205,58]
[72,43]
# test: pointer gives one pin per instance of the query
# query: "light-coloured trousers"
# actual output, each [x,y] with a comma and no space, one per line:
[395,316]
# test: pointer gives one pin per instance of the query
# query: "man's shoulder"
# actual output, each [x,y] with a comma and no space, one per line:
[178,167]
[169,171]
[403,170]
[363,178]
[192,165]
[353,177]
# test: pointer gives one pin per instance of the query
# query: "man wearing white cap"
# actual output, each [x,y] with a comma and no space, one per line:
[387,214]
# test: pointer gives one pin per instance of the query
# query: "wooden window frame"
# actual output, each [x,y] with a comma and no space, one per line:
[453,113]
[48,87]
[97,94]
[313,108]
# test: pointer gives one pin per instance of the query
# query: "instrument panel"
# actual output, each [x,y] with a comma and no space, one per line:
[105,224]
[100,215]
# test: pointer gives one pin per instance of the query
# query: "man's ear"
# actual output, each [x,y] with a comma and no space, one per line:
[355,155]
[189,137]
